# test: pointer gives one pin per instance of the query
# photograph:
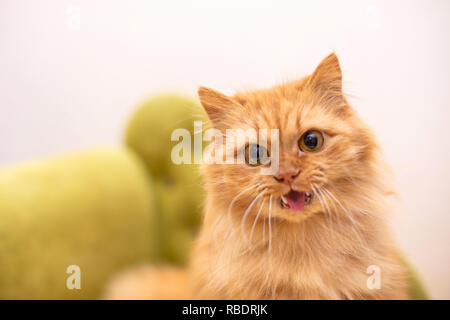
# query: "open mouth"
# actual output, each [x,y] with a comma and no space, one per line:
[295,200]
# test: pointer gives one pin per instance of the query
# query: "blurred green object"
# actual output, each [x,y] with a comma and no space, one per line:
[179,201]
[92,209]
[179,190]
[103,210]
[417,290]
[150,129]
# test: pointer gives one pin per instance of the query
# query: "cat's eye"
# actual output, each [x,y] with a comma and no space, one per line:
[256,155]
[311,141]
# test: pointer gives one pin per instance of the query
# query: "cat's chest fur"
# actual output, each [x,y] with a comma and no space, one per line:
[289,266]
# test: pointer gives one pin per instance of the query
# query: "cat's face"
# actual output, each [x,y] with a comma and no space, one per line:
[322,144]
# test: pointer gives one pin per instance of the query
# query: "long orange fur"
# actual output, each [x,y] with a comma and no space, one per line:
[255,249]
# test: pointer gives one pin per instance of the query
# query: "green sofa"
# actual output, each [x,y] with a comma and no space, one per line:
[103,210]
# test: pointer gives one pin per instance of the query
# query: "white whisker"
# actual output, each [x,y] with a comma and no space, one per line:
[247,211]
[270,230]
[337,201]
[232,223]
[321,200]
[235,199]
[256,219]
[347,213]
[264,230]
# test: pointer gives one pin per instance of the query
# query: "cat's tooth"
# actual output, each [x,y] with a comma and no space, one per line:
[308,198]
[284,200]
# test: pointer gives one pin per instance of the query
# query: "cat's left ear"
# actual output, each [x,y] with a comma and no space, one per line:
[327,78]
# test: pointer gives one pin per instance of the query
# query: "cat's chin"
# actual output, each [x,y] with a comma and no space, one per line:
[294,216]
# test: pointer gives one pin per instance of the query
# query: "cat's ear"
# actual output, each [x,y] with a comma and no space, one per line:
[327,78]
[216,104]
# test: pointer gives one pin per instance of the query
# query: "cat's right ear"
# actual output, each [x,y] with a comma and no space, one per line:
[216,104]
[327,78]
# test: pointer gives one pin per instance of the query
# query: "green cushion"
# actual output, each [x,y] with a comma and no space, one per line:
[417,290]
[150,128]
[93,209]
[179,191]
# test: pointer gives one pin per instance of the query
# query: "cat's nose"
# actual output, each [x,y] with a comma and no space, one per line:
[286,177]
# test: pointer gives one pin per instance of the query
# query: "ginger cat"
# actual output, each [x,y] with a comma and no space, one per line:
[309,231]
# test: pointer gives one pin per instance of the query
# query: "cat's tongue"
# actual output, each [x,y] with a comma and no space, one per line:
[295,199]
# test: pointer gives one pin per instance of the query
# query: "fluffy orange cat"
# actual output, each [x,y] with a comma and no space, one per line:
[309,231]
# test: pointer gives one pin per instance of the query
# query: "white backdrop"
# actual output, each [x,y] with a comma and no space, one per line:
[71,72]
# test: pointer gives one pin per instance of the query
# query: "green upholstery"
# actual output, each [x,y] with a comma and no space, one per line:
[179,192]
[92,209]
[104,210]
[417,290]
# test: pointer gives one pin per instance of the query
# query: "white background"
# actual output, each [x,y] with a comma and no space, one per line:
[72,72]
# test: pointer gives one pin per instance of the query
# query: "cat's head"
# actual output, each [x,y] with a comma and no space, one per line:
[323,146]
